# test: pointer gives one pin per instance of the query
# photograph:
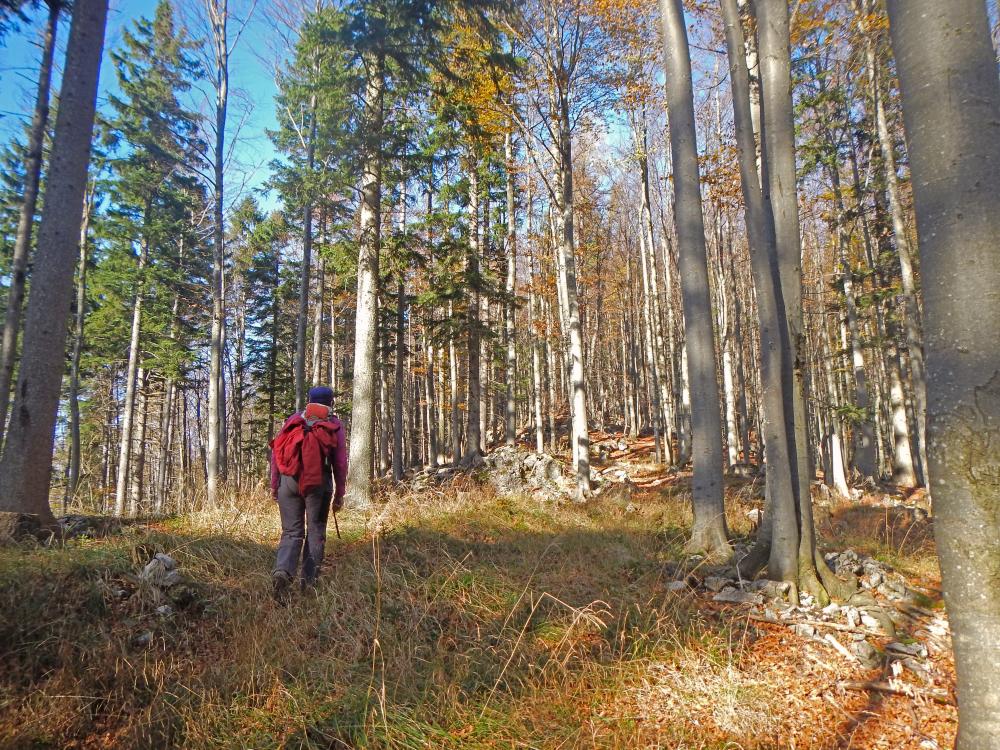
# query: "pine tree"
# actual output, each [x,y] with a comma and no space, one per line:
[158,142]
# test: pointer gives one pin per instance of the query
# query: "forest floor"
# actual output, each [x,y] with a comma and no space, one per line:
[452,618]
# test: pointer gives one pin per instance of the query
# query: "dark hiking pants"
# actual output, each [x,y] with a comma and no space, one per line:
[303,519]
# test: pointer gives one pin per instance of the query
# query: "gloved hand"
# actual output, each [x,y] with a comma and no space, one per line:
[337,504]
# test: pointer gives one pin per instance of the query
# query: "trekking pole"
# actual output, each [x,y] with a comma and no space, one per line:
[336,525]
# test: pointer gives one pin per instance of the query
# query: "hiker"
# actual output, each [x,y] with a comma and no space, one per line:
[308,470]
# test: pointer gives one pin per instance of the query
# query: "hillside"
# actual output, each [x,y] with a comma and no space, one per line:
[458,617]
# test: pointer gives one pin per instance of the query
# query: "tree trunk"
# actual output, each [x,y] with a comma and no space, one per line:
[306,275]
[218,12]
[138,468]
[131,370]
[26,222]
[864,429]
[362,444]
[26,466]
[166,437]
[907,276]
[397,386]
[779,147]
[510,308]
[473,405]
[709,534]
[951,108]
[566,251]
[456,414]
[317,342]
[74,373]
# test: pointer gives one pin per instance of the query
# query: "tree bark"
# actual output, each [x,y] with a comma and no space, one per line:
[362,446]
[951,109]
[74,373]
[26,221]
[709,534]
[306,276]
[473,404]
[26,466]
[779,149]
[397,386]
[131,370]
[907,276]
[567,266]
[218,12]
[510,308]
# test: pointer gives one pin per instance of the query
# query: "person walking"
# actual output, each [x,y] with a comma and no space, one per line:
[308,478]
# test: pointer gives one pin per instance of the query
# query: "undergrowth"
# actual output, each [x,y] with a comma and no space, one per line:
[445,620]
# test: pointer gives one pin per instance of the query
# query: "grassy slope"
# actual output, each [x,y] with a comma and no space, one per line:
[490,622]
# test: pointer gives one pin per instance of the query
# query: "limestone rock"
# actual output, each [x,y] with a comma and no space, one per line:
[735,596]
[867,654]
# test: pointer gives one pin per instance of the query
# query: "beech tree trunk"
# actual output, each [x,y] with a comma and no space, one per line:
[914,339]
[510,308]
[26,465]
[951,109]
[797,550]
[572,332]
[709,534]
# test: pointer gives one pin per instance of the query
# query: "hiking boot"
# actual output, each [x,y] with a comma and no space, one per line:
[281,586]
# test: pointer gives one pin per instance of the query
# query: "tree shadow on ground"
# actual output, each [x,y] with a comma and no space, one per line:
[494,626]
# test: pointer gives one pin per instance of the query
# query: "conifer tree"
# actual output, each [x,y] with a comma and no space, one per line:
[159,146]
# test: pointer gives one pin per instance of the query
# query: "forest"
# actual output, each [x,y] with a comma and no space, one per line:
[664,348]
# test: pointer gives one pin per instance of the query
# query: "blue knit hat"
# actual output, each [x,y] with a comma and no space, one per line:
[321,394]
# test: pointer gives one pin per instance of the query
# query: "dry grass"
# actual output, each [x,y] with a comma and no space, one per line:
[451,619]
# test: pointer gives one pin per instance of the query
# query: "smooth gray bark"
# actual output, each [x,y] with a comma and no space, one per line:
[510,308]
[951,109]
[780,186]
[774,346]
[709,534]
[572,332]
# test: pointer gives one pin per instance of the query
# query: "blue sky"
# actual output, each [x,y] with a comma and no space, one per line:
[251,82]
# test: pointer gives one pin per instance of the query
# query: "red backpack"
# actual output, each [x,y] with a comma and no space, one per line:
[304,445]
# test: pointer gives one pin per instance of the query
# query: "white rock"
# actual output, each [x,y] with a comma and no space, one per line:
[168,562]
[735,596]
[717,583]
